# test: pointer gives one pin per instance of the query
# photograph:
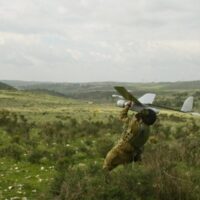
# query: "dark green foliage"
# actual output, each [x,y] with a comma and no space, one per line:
[4,86]
[192,150]
[55,186]
[14,151]
[15,124]
[37,154]
[63,163]
[104,145]
[173,175]
[129,183]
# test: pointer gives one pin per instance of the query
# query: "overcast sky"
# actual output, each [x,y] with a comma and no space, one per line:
[100,40]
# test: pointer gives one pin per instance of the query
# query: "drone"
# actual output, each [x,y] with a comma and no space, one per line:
[147,102]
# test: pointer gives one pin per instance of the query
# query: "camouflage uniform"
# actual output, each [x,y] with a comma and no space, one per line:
[133,138]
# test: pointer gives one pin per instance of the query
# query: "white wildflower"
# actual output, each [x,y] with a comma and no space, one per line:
[10,187]
[14,198]
[20,185]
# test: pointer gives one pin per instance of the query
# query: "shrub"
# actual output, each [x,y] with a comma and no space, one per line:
[14,151]
[129,183]
[37,154]
[103,145]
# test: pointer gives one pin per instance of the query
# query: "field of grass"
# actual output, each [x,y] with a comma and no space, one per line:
[53,148]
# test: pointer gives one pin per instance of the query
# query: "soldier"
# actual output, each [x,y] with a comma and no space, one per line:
[136,133]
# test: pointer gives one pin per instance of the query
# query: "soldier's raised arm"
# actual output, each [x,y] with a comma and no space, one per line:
[124,113]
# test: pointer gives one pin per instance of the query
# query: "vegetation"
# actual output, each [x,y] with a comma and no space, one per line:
[4,86]
[52,147]
[102,91]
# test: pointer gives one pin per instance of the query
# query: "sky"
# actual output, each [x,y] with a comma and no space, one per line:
[100,40]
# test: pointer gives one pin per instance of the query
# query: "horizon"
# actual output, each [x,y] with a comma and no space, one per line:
[97,82]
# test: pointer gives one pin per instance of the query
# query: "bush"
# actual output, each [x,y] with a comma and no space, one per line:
[37,154]
[126,184]
[14,151]
[103,145]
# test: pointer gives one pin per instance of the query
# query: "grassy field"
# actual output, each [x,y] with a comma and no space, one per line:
[19,176]
[53,148]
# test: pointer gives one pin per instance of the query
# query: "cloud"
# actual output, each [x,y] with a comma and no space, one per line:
[99,40]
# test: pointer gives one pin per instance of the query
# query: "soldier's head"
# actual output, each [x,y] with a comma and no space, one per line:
[148,116]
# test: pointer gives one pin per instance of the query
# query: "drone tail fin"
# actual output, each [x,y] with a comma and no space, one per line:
[188,104]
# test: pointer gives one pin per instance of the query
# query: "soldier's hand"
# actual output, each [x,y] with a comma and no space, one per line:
[128,104]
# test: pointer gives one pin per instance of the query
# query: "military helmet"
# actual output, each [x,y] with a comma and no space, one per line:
[148,116]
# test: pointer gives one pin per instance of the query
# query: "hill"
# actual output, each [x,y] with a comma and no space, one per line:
[102,91]
[4,86]
[106,85]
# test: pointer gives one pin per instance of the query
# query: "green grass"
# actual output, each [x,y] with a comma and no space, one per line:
[53,147]
[40,107]
[20,178]
[23,179]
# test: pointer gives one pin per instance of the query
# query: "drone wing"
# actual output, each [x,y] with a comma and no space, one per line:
[128,96]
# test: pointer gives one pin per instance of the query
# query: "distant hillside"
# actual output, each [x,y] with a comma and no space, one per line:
[4,86]
[104,90]
[20,84]
[49,92]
